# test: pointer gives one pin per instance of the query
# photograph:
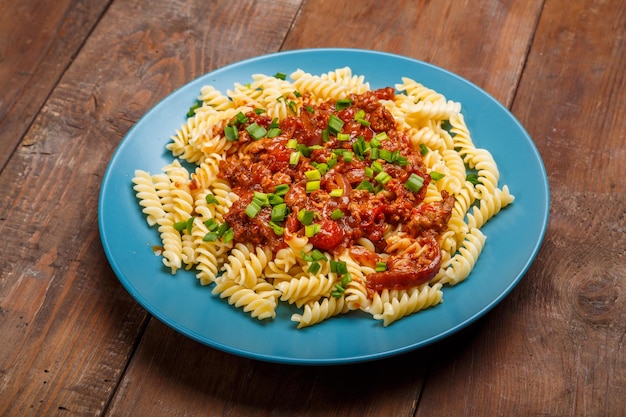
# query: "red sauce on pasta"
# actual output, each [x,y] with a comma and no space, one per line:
[353,170]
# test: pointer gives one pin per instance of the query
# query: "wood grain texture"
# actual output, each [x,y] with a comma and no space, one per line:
[467,38]
[38,40]
[555,347]
[74,342]
[80,327]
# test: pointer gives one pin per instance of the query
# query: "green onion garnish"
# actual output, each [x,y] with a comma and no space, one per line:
[259,111]
[342,137]
[436,175]
[311,230]
[281,189]
[312,186]
[414,183]
[423,149]
[334,124]
[211,199]
[380,267]
[306,216]
[314,268]
[279,212]
[365,185]
[336,214]
[280,75]
[383,177]
[336,192]
[231,133]
[313,175]
[256,131]
[294,158]
[278,230]
[273,132]
[343,103]
[252,209]
[473,178]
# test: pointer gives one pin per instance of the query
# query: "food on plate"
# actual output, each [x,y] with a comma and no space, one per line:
[319,191]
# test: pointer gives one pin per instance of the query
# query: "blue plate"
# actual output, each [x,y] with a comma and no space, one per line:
[513,237]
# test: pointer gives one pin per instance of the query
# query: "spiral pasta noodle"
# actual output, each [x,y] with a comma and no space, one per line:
[190,209]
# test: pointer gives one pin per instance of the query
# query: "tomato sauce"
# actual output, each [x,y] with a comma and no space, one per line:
[363,163]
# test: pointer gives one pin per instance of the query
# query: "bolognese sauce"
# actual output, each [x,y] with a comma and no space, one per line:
[334,172]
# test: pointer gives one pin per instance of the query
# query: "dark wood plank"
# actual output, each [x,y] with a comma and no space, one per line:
[556,347]
[68,327]
[485,42]
[38,40]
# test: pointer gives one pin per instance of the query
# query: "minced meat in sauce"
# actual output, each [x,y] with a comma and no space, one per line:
[363,163]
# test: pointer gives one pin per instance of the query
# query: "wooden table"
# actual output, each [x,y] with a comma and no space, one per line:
[75,75]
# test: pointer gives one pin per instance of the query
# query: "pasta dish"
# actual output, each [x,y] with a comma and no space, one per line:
[318,191]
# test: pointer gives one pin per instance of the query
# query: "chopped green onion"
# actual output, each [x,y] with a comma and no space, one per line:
[380,267]
[231,133]
[321,167]
[273,132]
[297,93]
[309,109]
[275,123]
[365,185]
[210,237]
[280,75]
[338,267]
[313,175]
[377,166]
[342,137]
[343,103]
[303,149]
[336,214]
[436,175]
[312,186]
[180,226]
[292,144]
[279,212]
[222,229]
[281,189]
[423,149]
[374,143]
[359,114]
[192,109]
[241,118]
[383,177]
[291,105]
[312,229]
[414,183]
[363,122]
[381,136]
[306,216]
[314,268]
[360,146]
[336,192]
[189,225]
[347,156]
[369,172]
[278,230]
[211,225]
[332,160]
[259,111]
[306,257]
[261,199]
[294,158]
[473,178]
[402,161]
[252,209]
[256,131]
[275,199]
[211,199]
[316,255]
[334,124]
[325,135]
[228,236]
[374,153]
